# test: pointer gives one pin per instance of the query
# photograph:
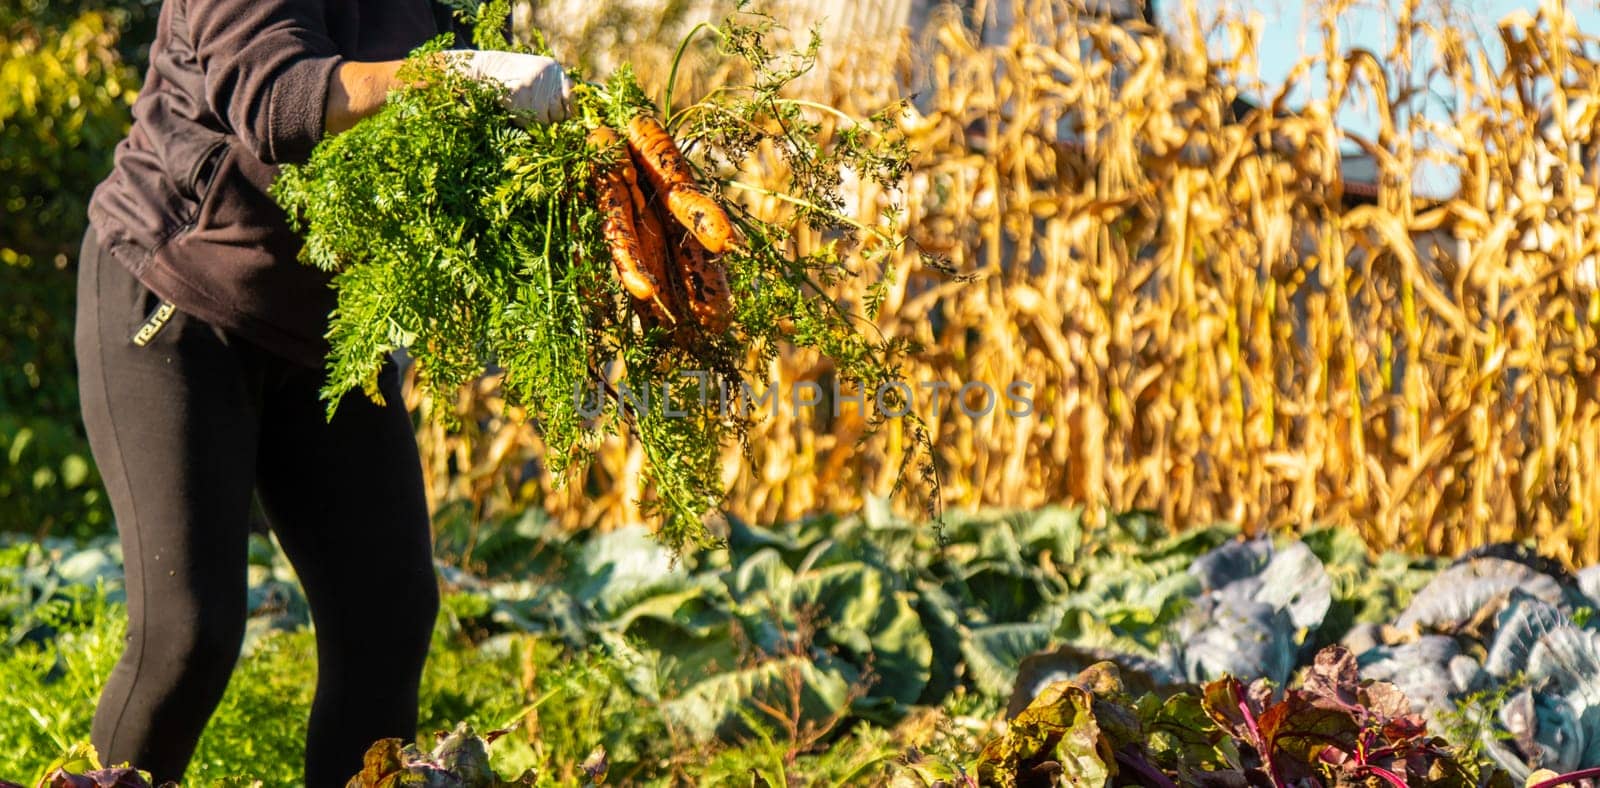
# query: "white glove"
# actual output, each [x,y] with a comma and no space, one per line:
[538,85]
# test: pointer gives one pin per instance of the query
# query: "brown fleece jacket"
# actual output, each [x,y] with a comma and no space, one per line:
[236,88]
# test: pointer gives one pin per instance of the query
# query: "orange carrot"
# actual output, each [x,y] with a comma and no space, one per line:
[703,216]
[704,281]
[621,232]
[653,253]
[670,174]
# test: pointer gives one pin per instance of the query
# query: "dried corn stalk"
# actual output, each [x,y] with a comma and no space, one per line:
[1212,327]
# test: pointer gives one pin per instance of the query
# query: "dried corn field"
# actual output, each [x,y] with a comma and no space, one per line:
[1213,328]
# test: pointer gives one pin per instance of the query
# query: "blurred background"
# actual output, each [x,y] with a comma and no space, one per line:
[1325,271]
[1273,264]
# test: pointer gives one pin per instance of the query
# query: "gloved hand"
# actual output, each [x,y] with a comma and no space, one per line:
[538,84]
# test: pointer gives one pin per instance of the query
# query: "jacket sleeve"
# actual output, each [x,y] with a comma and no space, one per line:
[267,64]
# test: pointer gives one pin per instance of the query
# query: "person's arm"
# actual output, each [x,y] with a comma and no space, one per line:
[534,84]
[269,66]
[358,90]
[278,80]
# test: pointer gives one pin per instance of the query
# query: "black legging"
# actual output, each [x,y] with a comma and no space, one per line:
[183,429]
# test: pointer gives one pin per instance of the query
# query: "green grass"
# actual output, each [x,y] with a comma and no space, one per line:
[52,688]
[565,704]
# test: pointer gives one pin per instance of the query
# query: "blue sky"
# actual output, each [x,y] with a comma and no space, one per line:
[1289,26]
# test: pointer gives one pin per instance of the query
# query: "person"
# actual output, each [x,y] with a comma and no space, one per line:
[199,342]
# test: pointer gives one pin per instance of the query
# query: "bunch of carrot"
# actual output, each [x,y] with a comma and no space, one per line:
[663,231]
